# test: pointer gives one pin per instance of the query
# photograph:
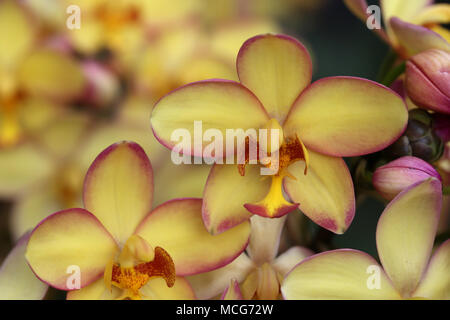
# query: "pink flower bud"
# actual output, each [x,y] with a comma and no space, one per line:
[392,178]
[427,80]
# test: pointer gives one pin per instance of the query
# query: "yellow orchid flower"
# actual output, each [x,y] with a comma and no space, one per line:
[17,281]
[412,26]
[320,122]
[257,273]
[29,76]
[122,248]
[405,236]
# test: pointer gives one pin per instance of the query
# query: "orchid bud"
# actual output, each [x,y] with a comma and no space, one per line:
[392,178]
[427,80]
[419,139]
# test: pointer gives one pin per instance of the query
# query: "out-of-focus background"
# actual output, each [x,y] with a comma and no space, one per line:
[68,93]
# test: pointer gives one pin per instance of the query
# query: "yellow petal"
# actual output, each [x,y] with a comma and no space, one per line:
[226,192]
[219,104]
[345,116]
[438,13]
[21,167]
[16,33]
[62,136]
[404,9]
[339,274]
[435,283]
[51,74]
[118,188]
[210,284]
[95,291]
[406,231]
[325,194]
[17,281]
[276,68]
[177,227]
[32,206]
[157,289]
[70,238]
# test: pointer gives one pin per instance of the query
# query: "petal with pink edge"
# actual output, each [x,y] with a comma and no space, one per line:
[435,283]
[225,194]
[17,281]
[51,74]
[211,104]
[118,188]
[16,33]
[177,227]
[340,274]
[325,193]
[406,231]
[72,237]
[276,68]
[415,39]
[346,116]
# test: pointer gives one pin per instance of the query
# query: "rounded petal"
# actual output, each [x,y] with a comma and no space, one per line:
[17,281]
[177,227]
[16,33]
[95,291]
[339,274]
[53,74]
[264,238]
[68,238]
[21,167]
[406,231]
[435,283]
[276,68]
[118,188]
[415,39]
[208,285]
[345,116]
[157,289]
[218,104]
[289,259]
[225,194]
[325,193]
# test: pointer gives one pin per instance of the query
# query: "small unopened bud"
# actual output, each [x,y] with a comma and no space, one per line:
[427,80]
[392,178]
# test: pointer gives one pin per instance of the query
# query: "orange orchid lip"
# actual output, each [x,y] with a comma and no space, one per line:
[131,279]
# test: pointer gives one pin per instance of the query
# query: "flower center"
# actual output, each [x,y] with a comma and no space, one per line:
[138,263]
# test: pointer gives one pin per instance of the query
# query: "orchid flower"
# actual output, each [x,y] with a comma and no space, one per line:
[257,273]
[412,26]
[17,281]
[122,248]
[29,76]
[321,122]
[405,236]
